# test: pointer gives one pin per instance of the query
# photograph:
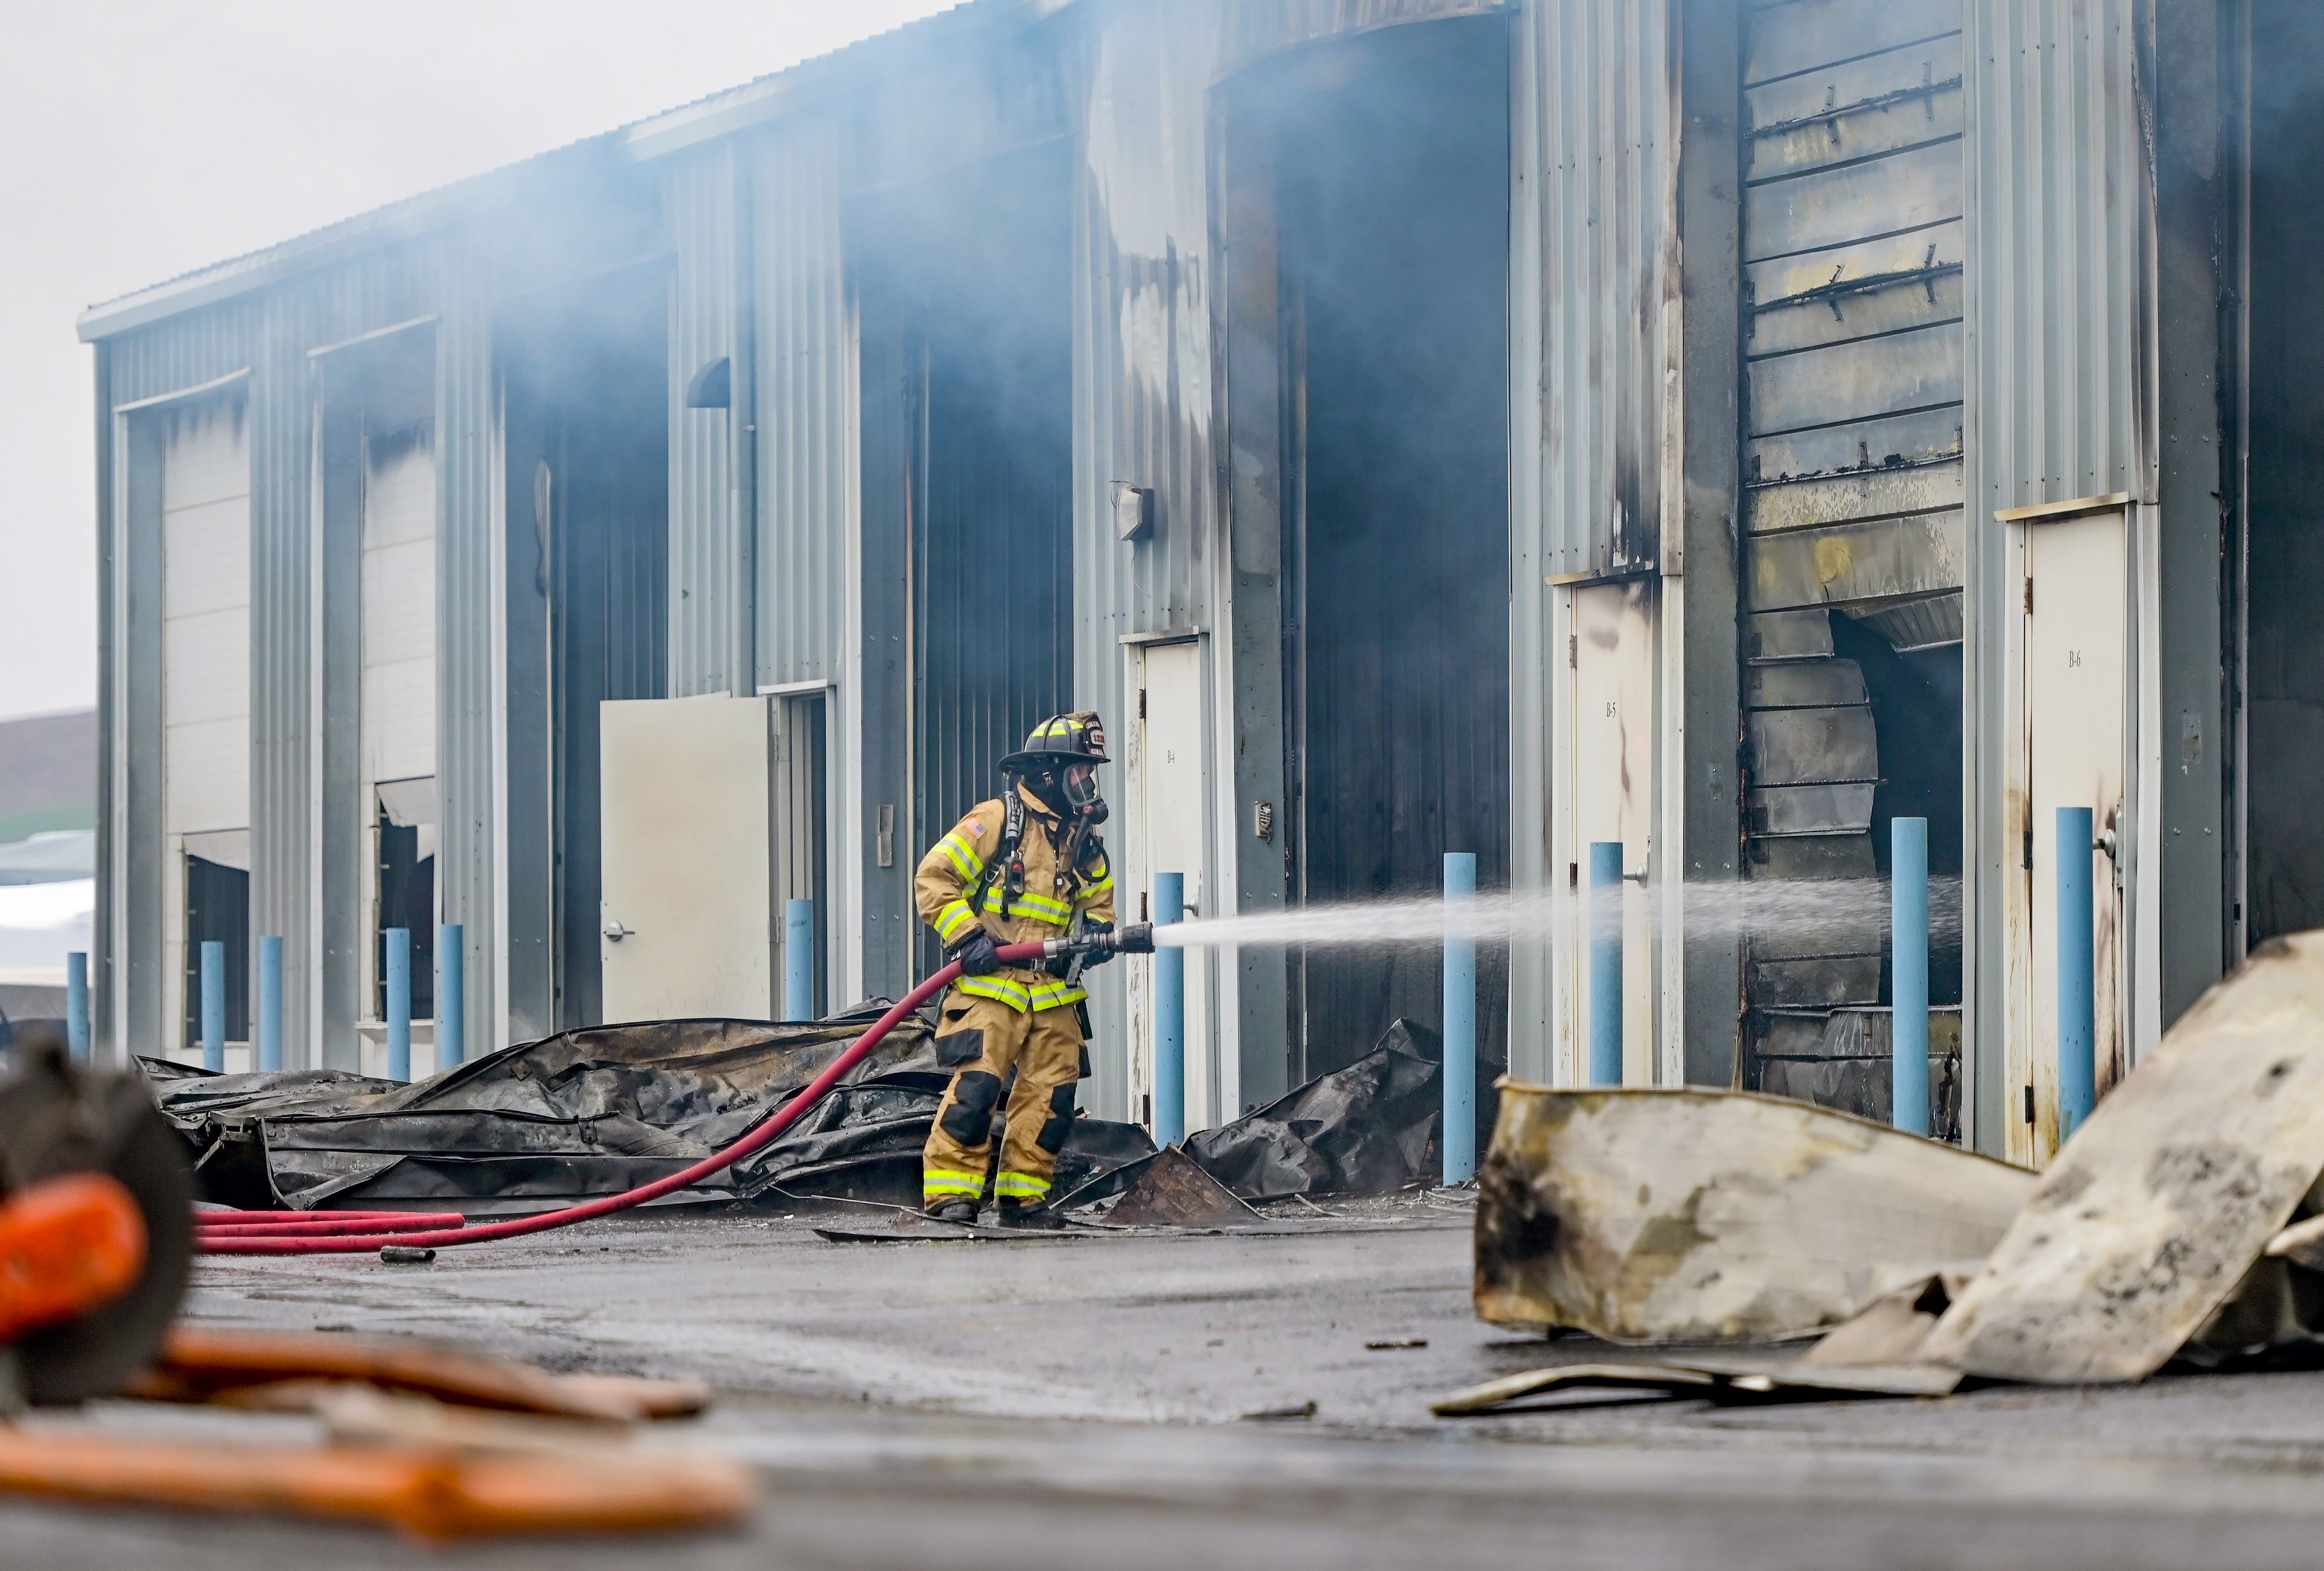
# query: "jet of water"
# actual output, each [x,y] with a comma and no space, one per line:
[1843,910]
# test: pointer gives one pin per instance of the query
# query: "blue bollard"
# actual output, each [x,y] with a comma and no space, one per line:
[799,959]
[1169,1016]
[270,1002]
[77,1005]
[1908,943]
[398,1003]
[1460,1071]
[214,1005]
[1605,962]
[451,994]
[2077,1026]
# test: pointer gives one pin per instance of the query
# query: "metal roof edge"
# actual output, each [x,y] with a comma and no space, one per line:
[405,219]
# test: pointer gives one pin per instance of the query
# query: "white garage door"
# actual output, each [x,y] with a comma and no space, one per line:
[205,654]
[399,603]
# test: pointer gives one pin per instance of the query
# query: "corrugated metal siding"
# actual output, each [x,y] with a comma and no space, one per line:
[282,716]
[468,684]
[398,695]
[1591,274]
[806,391]
[708,593]
[2057,184]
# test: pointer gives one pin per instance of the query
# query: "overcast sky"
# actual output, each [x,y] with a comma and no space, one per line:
[140,138]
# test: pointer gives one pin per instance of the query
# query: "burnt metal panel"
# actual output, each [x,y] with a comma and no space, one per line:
[1820,980]
[1785,39]
[1806,746]
[1857,380]
[1842,809]
[1851,496]
[1805,685]
[1900,439]
[1787,635]
[1849,564]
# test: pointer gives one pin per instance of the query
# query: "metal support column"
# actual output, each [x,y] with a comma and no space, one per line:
[214,1005]
[1169,1015]
[451,994]
[798,960]
[77,1005]
[1460,1072]
[398,1003]
[2077,1032]
[270,1002]
[1908,943]
[1605,962]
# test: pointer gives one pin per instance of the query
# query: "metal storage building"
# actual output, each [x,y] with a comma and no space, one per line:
[1417,425]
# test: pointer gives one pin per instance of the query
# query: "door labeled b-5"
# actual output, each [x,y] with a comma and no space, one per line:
[686,919]
[2074,669]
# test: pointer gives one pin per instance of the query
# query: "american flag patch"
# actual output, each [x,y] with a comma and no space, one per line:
[974,828]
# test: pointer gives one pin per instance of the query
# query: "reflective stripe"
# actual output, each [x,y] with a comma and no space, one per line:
[1055,995]
[1021,1186]
[954,922]
[1054,911]
[999,989]
[1090,891]
[938,1181]
[962,856]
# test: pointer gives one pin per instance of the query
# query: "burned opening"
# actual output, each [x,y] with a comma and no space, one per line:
[968,451]
[1392,186]
[2284,499]
[588,474]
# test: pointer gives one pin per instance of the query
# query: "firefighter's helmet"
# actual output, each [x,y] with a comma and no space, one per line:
[1062,739]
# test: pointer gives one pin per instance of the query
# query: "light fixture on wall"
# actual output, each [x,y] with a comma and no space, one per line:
[1133,511]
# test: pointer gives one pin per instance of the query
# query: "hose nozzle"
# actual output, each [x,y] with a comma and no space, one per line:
[1137,938]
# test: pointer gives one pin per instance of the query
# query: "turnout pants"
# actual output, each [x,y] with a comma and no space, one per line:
[981,1040]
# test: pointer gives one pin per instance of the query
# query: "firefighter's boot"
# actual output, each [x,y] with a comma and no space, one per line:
[1032,1214]
[952,1209]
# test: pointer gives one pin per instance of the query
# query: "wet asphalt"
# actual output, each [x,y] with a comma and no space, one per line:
[1087,1401]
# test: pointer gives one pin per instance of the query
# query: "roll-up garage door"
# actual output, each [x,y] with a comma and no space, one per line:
[1853,478]
[205,681]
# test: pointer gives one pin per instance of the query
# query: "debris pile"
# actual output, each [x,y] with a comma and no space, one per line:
[583,1113]
[2183,1222]
[599,1111]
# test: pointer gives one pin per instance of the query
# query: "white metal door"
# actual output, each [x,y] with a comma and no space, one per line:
[2074,664]
[1610,757]
[1166,761]
[205,654]
[687,916]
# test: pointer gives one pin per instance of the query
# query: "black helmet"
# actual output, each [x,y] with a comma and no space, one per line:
[1061,739]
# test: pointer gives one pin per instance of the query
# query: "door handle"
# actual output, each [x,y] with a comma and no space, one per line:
[616,932]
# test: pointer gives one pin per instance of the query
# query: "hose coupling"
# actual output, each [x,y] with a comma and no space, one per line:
[1137,938]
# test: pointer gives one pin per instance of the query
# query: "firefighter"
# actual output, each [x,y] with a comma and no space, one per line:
[1025,865]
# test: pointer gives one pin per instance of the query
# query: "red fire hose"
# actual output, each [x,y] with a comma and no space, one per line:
[223,1238]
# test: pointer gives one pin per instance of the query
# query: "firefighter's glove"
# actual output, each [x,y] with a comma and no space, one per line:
[1099,955]
[977,954]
